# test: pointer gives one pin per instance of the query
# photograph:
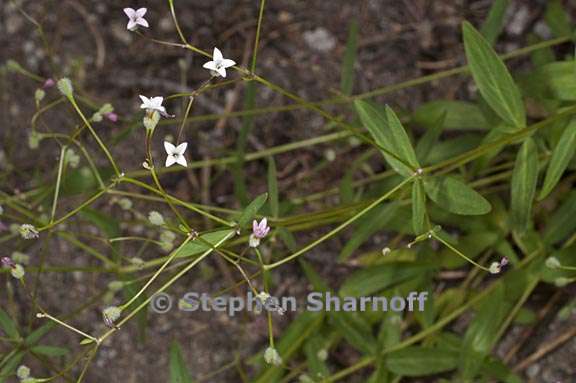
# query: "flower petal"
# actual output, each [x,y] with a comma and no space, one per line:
[170,160]
[170,149]
[210,65]
[132,25]
[255,226]
[221,71]
[145,102]
[181,160]
[217,55]
[157,101]
[130,12]
[228,63]
[264,223]
[140,12]
[180,149]
[142,22]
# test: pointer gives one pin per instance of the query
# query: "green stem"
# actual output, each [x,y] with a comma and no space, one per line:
[58,180]
[341,226]
[257,39]
[166,285]
[455,250]
[96,137]
[157,273]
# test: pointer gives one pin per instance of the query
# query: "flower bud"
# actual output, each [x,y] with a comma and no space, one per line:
[39,96]
[271,356]
[28,231]
[552,263]
[72,158]
[156,218]
[34,139]
[495,267]
[17,271]
[23,372]
[19,257]
[106,108]
[151,120]
[111,315]
[65,87]
[125,204]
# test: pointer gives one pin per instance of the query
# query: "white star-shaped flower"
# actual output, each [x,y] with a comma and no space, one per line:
[153,103]
[219,64]
[175,154]
[135,18]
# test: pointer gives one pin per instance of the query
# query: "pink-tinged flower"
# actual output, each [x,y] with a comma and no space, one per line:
[136,18]
[49,83]
[260,230]
[111,116]
[7,262]
[175,154]
[218,64]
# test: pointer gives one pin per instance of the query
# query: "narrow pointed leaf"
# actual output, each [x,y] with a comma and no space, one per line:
[389,134]
[252,209]
[273,187]
[455,196]
[523,188]
[418,207]
[8,326]
[557,18]
[561,156]
[495,20]
[493,79]
[430,139]
[178,370]
[481,334]
[347,80]
[421,361]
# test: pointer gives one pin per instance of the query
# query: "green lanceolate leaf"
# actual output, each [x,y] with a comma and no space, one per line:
[430,139]
[8,325]
[495,21]
[273,187]
[372,280]
[481,333]
[421,361]
[493,79]
[374,221]
[418,207]
[199,246]
[557,18]
[561,156]
[455,196]
[389,134]
[252,209]
[347,79]
[50,350]
[523,188]
[178,370]
[460,115]
[562,224]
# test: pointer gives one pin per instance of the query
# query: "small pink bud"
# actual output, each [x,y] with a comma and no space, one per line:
[111,116]
[49,83]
